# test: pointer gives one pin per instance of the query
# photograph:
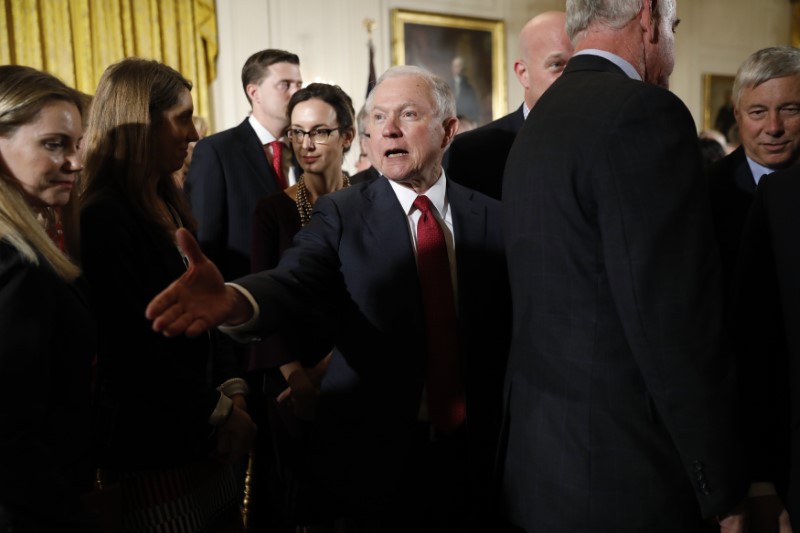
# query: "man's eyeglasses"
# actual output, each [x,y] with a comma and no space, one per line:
[317,136]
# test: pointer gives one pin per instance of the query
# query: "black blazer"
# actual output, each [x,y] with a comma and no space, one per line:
[620,407]
[229,174]
[477,158]
[47,343]
[355,262]
[156,393]
[767,305]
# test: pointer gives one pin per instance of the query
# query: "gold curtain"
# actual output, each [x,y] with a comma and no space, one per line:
[795,23]
[77,39]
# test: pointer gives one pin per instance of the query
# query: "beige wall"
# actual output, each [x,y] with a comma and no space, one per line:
[714,37]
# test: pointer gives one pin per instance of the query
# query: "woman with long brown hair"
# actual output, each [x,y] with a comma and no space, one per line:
[172,410]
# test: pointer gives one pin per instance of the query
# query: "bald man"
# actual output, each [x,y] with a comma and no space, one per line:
[477,158]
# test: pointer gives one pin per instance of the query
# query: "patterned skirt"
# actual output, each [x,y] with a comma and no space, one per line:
[188,499]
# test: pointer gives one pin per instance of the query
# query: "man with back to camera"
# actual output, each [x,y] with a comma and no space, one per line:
[232,170]
[477,158]
[620,406]
[409,408]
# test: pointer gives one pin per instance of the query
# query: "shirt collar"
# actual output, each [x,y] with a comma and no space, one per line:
[757,170]
[626,67]
[263,135]
[436,194]
[525,110]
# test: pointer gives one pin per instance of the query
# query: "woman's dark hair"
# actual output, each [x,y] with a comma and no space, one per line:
[711,151]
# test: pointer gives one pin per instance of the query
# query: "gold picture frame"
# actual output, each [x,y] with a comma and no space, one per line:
[435,42]
[717,89]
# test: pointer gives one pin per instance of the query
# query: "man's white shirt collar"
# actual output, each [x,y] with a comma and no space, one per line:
[626,67]
[436,194]
[263,135]
[757,170]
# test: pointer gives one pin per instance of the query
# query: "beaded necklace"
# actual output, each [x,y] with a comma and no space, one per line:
[303,205]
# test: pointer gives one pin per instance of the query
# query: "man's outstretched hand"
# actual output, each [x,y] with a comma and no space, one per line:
[199,299]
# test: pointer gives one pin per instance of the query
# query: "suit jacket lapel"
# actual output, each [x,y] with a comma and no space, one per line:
[742,175]
[386,227]
[469,228]
[252,152]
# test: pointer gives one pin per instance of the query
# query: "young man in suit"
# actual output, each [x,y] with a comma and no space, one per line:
[232,170]
[408,410]
[620,406]
[477,158]
[766,96]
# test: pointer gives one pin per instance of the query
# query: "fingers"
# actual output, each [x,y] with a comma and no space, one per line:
[189,246]
[163,301]
[174,320]
[284,395]
[783,522]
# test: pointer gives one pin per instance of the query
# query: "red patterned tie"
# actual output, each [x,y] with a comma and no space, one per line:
[446,406]
[277,162]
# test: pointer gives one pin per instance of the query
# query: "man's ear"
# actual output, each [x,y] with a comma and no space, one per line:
[251,91]
[450,126]
[521,70]
[648,19]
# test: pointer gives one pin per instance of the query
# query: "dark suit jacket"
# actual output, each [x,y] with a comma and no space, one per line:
[367,175]
[47,342]
[477,158]
[767,305]
[229,174]
[620,407]
[355,260]
[732,191]
[156,393]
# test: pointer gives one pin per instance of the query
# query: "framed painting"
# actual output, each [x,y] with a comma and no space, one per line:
[717,102]
[469,53]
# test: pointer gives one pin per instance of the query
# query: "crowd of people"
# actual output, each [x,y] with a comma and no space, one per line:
[563,320]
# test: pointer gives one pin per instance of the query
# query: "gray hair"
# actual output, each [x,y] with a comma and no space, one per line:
[764,65]
[361,120]
[442,94]
[613,13]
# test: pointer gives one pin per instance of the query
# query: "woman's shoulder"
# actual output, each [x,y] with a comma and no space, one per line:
[11,258]
[18,271]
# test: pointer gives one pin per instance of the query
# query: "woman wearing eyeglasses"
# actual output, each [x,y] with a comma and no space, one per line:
[321,131]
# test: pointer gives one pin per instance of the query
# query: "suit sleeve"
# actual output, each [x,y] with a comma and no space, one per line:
[207,190]
[664,273]
[30,481]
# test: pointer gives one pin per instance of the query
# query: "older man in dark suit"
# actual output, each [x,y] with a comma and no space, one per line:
[232,170]
[477,158]
[766,95]
[410,269]
[620,407]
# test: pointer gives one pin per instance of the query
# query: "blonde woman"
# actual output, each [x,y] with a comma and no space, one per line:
[172,409]
[47,333]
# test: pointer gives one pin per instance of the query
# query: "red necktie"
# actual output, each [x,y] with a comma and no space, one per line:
[446,406]
[277,162]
